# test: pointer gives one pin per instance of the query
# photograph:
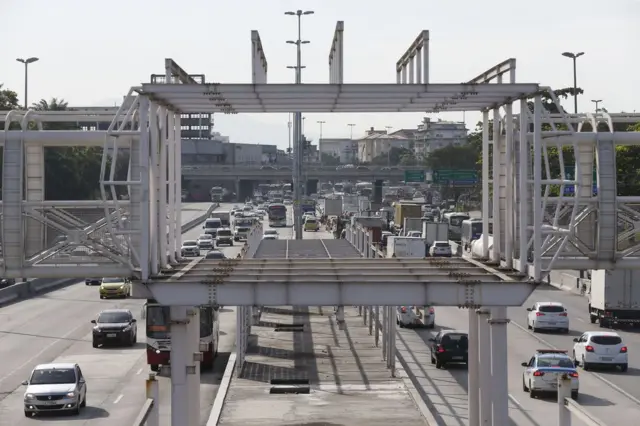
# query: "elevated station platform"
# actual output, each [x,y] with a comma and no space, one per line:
[301,368]
[339,374]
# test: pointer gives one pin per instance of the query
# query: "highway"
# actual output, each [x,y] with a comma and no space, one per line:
[611,396]
[55,327]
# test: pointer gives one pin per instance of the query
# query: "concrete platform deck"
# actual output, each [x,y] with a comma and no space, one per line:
[348,381]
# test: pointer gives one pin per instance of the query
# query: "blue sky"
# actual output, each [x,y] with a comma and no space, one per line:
[92,51]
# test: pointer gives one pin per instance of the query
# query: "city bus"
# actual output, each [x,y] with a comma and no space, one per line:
[277,215]
[455,220]
[159,336]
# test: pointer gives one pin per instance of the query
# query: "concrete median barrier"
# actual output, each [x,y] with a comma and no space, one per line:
[34,287]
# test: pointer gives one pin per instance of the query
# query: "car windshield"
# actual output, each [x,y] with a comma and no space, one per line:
[270,232]
[555,362]
[205,237]
[606,340]
[215,255]
[242,230]
[53,376]
[311,221]
[189,243]
[111,280]
[453,340]
[551,308]
[224,233]
[441,244]
[113,317]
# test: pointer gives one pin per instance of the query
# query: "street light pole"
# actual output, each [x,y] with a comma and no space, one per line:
[320,122]
[26,63]
[574,56]
[596,101]
[388,146]
[351,125]
[297,131]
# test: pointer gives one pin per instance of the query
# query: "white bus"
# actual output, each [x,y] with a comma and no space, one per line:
[455,220]
[277,215]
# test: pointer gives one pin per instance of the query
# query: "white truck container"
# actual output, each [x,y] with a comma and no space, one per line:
[406,247]
[435,231]
[223,215]
[333,207]
[411,224]
[615,297]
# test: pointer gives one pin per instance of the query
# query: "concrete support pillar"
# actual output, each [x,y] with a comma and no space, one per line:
[564,391]
[34,191]
[585,163]
[499,184]
[499,366]
[484,360]
[180,394]
[473,370]
[392,340]
[193,365]
[385,334]
[240,340]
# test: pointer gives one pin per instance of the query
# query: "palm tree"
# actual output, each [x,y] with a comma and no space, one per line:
[54,104]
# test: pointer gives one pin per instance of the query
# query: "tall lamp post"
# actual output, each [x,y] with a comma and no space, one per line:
[596,101]
[320,123]
[26,63]
[297,130]
[574,56]
[388,128]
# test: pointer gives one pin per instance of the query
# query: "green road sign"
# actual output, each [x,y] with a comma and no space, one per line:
[570,174]
[455,177]
[414,175]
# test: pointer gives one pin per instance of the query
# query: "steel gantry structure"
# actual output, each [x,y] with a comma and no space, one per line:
[148,125]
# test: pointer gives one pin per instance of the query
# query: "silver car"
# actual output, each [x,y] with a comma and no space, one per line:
[55,387]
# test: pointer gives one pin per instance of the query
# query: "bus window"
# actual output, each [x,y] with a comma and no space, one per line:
[158,322]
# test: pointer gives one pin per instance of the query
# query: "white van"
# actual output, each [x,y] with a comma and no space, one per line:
[211,226]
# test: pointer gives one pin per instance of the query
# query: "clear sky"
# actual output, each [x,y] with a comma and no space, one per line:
[92,51]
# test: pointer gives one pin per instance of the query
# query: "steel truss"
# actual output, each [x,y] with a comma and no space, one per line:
[49,239]
[585,231]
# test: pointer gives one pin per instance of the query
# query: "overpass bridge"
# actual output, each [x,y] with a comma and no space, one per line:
[554,232]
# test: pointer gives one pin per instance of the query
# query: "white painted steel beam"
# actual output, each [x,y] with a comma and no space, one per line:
[68,270]
[94,138]
[259,66]
[335,98]
[327,293]
[419,48]
[336,55]
[495,72]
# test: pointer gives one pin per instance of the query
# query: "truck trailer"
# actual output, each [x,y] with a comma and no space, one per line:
[615,297]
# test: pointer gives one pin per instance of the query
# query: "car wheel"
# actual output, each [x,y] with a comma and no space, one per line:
[154,367]
[439,364]
[585,366]
[624,367]
[84,401]
[433,361]
[532,393]
[27,414]
[95,344]
[574,395]
[524,386]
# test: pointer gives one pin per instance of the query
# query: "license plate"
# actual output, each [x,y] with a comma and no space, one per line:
[606,358]
[47,402]
[552,323]
[111,335]
[457,358]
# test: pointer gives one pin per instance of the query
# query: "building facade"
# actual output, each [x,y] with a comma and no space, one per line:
[343,149]
[378,143]
[432,135]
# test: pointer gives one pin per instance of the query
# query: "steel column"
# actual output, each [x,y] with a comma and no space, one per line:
[171,199]
[377,325]
[499,366]
[34,183]
[163,206]
[509,192]
[486,179]
[193,365]
[537,188]
[484,360]
[179,360]
[564,391]
[371,320]
[178,180]
[473,370]
[154,176]
[497,187]
[239,340]
[385,334]
[145,214]
[153,392]
[392,339]
[523,189]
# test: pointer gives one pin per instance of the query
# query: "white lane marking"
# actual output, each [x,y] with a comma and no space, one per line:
[118,398]
[43,350]
[139,372]
[515,401]
[596,375]
[580,319]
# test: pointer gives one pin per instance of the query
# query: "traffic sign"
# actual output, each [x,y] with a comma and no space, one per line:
[570,174]
[414,175]
[455,177]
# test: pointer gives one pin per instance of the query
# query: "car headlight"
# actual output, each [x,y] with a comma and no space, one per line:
[29,396]
[71,394]
[122,287]
[127,328]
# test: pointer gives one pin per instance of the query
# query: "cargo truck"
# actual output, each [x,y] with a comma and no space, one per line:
[434,231]
[406,247]
[615,297]
[333,207]
[406,210]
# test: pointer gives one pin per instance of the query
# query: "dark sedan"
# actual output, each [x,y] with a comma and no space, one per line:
[115,326]
[449,347]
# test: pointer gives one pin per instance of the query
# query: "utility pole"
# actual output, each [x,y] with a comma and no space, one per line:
[574,56]
[320,122]
[26,63]
[388,146]
[297,131]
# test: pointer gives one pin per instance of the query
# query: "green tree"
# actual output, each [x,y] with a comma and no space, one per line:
[463,157]
[396,156]
[8,99]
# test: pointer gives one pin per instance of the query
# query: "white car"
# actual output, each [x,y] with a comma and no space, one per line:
[190,248]
[55,387]
[596,348]
[440,248]
[270,234]
[205,242]
[547,316]
[542,370]
[414,316]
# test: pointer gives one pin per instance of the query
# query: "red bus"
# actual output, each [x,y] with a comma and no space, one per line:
[159,337]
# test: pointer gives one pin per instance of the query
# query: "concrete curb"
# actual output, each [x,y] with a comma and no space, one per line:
[223,388]
[38,286]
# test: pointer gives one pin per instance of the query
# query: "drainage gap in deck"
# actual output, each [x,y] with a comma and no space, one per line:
[292,328]
[290,386]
